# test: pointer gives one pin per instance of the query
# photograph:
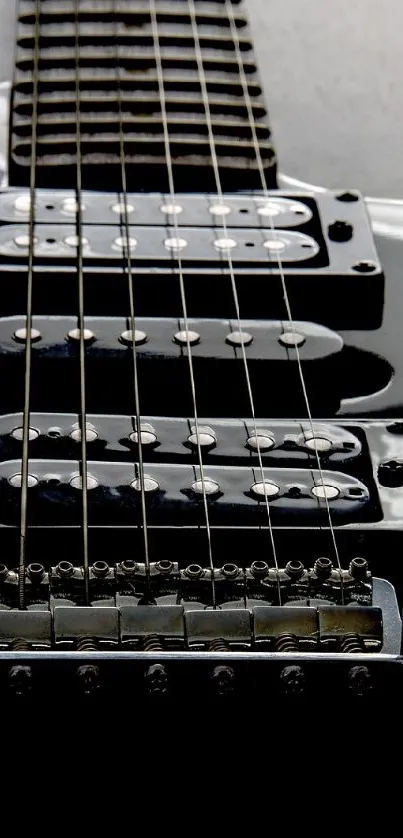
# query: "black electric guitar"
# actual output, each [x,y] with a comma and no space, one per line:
[201,432]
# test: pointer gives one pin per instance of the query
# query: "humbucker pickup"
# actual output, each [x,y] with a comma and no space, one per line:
[170,439]
[236,496]
[321,243]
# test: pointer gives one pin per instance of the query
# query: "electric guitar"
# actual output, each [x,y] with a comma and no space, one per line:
[201,418]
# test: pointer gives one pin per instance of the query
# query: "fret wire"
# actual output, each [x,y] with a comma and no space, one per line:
[28,319]
[167,144]
[127,256]
[203,85]
[81,319]
[234,33]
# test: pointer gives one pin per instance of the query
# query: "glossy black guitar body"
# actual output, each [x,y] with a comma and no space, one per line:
[231,523]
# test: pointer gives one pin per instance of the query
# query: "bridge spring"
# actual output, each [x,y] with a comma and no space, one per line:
[286,643]
[86,644]
[19,644]
[218,645]
[153,643]
[352,644]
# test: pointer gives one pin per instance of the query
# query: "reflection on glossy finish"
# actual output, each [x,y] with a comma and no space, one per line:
[111,500]
[168,440]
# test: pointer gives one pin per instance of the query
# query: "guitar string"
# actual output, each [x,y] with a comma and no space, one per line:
[24,477]
[28,319]
[259,160]
[213,152]
[81,318]
[171,183]
[128,260]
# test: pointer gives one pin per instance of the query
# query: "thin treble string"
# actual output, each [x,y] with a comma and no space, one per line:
[28,319]
[167,144]
[81,319]
[213,152]
[127,256]
[248,102]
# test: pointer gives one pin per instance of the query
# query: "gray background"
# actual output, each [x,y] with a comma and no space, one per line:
[333,74]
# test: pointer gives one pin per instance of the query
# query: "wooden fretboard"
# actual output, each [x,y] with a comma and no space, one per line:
[118,79]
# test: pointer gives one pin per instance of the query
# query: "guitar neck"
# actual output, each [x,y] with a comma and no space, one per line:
[132,78]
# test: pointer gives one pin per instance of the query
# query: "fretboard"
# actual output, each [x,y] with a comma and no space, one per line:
[112,63]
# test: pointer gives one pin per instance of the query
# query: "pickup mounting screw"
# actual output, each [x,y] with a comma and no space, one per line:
[340,231]
[395,428]
[390,473]
[365,266]
[347,197]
